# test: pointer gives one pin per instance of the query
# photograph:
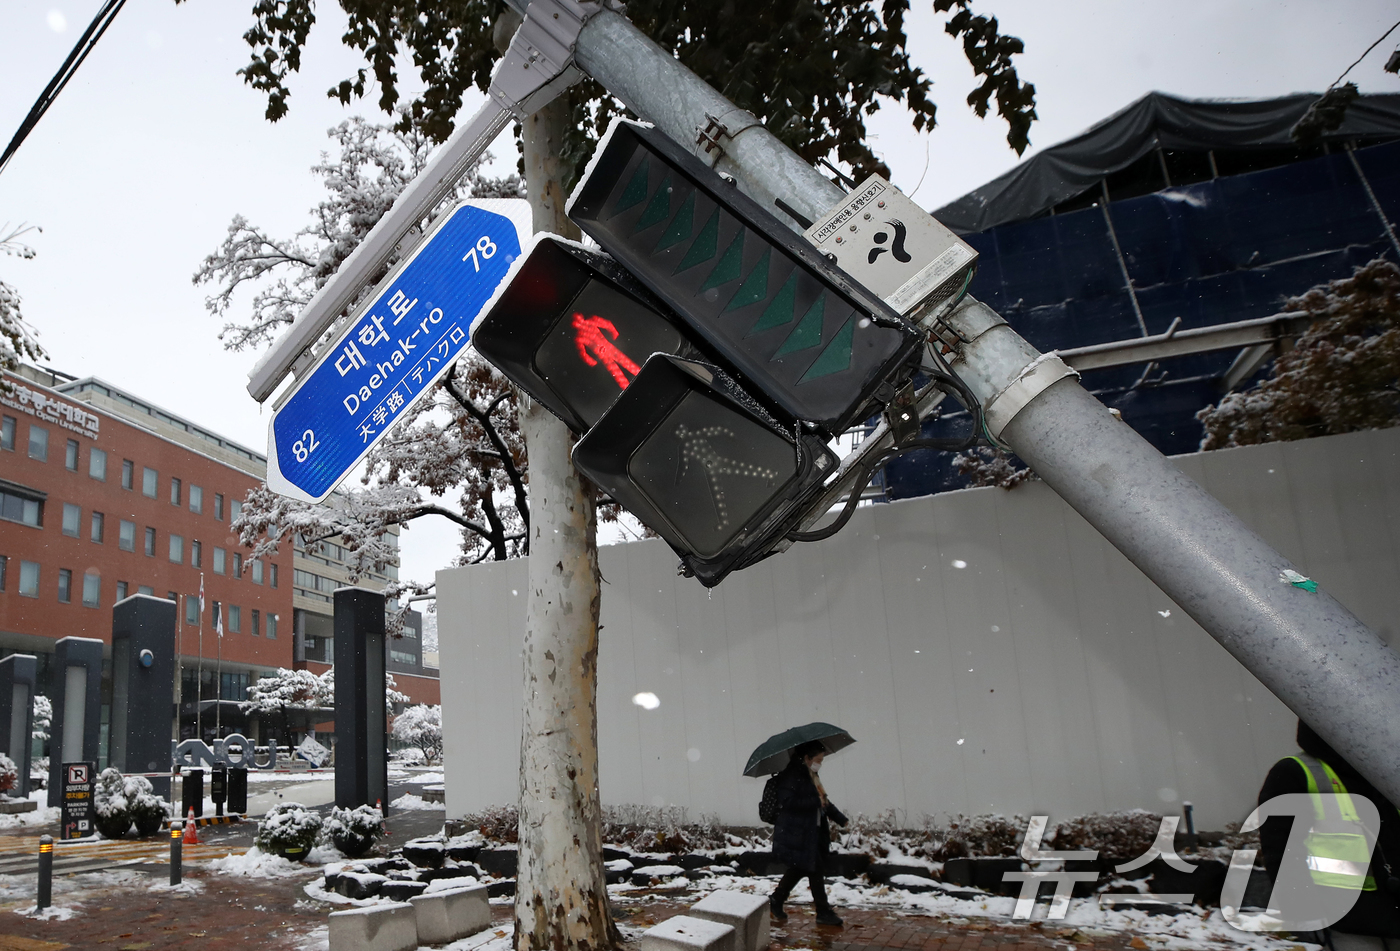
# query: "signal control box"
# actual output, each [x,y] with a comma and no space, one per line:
[896,249]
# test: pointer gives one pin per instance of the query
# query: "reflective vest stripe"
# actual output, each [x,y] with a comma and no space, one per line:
[1335,859]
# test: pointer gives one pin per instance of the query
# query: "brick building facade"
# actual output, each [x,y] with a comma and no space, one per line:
[103,495]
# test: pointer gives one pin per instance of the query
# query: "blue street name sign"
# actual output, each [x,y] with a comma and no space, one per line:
[418,322]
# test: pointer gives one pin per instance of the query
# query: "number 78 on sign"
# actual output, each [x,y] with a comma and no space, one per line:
[414,326]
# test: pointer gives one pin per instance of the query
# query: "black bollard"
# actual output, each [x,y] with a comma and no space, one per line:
[45,871]
[1187,811]
[177,839]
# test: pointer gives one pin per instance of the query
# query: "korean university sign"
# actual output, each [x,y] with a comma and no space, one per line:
[416,324]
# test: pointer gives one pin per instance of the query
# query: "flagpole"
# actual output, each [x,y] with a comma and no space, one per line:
[219,680]
[199,684]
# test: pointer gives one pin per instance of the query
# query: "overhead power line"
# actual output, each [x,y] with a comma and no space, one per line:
[86,42]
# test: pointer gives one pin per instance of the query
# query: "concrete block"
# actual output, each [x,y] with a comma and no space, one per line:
[451,913]
[747,914]
[377,928]
[684,933]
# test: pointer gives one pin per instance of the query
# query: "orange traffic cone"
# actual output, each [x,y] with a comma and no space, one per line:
[191,836]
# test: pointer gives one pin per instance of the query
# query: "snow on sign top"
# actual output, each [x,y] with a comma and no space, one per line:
[395,348]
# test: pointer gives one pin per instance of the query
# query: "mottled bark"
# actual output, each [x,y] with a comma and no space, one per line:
[561,899]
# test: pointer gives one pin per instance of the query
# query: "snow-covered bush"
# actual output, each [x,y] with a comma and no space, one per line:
[420,726]
[1116,835]
[119,801]
[353,831]
[1342,375]
[981,835]
[407,756]
[9,775]
[289,829]
[43,717]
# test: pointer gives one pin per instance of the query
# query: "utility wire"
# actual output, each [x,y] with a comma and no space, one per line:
[1365,54]
[86,42]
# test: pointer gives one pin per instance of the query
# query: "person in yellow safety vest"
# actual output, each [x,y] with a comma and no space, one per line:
[1337,859]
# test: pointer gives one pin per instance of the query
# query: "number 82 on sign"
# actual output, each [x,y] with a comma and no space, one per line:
[414,327]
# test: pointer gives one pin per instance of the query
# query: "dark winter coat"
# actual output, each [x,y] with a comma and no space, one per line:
[802,835]
[1375,912]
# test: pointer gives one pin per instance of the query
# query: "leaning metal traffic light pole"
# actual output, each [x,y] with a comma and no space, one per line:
[1321,661]
[1307,648]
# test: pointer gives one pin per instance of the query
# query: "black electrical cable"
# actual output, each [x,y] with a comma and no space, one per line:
[85,43]
[867,472]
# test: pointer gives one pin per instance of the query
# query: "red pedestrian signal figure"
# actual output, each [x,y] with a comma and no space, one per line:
[597,334]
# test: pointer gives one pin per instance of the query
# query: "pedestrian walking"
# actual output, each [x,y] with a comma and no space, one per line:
[802,831]
[1373,924]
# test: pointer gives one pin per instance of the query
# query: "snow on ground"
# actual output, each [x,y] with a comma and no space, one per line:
[492,939]
[255,863]
[285,775]
[42,816]
[1203,927]
[408,802]
[51,913]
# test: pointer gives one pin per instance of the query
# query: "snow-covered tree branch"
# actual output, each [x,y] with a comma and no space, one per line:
[1342,375]
[420,726]
[17,339]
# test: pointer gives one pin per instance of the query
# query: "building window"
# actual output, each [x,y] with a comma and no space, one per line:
[17,508]
[7,433]
[72,515]
[177,549]
[235,509]
[92,590]
[128,473]
[235,618]
[218,506]
[219,556]
[126,536]
[196,555]
[256,628]
[65,585]
[97,521]
[149,480]
[4,571]
[272,627]
[70,455]
[196,499]
[29,579]
[257,567]
[274,575]
[191,609]
[146,589]
[38,443]
[237,565]
[97,464]
[121,590]
[233,687]
[150,542]
[174,491]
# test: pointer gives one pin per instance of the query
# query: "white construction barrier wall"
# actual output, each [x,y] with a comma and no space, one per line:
[988,649]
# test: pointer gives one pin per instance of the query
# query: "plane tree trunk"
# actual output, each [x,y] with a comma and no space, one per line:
[561,899]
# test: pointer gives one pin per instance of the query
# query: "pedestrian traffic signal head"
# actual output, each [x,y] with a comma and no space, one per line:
[703,465]
[572,329]
[797,331]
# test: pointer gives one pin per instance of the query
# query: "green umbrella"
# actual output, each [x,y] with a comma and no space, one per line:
[773,753]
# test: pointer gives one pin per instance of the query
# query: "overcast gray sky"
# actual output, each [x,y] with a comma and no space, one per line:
[156,144]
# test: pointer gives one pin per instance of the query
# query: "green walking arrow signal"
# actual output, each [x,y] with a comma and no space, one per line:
[703,465]
[797,331]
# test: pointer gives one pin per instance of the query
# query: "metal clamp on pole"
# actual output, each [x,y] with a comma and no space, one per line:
[537,67]
[1039,376]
